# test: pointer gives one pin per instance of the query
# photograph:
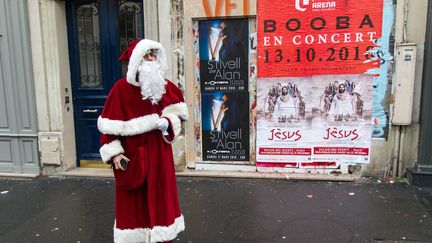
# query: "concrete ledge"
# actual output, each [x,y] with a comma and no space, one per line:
[94,172]
[90,172]
[264,175]
[16,175]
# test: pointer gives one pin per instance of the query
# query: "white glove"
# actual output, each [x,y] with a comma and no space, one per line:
[162,124]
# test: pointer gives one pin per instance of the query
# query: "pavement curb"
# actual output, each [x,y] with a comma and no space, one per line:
[269,175]
[108,173]
[93,172]
[17,176]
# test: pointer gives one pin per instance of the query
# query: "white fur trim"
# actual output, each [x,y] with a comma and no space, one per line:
[176,123]
[179,109]
[108,150]
[156,234]
[130,127]
[137,56]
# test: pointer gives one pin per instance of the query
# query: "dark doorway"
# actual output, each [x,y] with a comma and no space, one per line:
[98,31]
[425,145]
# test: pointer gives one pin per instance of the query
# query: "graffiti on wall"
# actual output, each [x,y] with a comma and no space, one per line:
[217,8]
[383,75]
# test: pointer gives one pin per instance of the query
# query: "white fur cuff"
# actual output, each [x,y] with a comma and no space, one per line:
[180,109]
[176,126]
[131,127]
[109,150]
[156,234]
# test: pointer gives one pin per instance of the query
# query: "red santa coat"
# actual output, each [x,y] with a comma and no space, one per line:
[146,200]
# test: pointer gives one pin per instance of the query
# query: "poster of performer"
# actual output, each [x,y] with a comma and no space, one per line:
[225,126]
[341,122]
[284,116]
[223,52]
[327,50]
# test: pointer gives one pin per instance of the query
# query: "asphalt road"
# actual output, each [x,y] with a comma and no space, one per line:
[224,210]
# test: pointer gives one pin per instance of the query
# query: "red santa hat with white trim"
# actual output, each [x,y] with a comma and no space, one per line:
[135,53]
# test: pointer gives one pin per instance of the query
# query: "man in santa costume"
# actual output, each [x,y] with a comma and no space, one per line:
[141,118]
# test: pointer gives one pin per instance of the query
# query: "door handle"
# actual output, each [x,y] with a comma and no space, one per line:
[90,111]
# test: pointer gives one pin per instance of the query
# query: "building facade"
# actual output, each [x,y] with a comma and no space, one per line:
[60,62]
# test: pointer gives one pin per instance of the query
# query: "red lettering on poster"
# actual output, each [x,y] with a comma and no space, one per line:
[284,135]
[319,164]
[341,150]
[298,38]
[285,151]
[335,133]
[280,165]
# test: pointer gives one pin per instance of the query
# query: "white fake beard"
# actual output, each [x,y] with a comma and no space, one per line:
[151,81]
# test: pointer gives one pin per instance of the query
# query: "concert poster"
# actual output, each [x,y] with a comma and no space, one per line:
[225,126]
[314,85]
[223,54]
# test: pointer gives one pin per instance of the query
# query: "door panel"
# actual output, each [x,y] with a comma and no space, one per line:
[87,16]
[18,126]
[130,25]
[98,31]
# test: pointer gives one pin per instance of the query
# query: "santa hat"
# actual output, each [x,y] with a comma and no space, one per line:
[135,53]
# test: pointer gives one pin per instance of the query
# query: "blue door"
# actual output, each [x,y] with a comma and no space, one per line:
[98,31]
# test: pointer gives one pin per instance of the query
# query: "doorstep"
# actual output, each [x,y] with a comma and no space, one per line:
[89,172]
[95,172]
[17,175]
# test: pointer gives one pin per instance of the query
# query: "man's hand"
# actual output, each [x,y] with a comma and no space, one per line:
[116,161]
[162,124]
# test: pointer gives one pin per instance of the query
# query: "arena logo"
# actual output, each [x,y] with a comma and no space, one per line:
[301,5]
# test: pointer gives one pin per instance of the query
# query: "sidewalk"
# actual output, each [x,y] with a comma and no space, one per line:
[224,210]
